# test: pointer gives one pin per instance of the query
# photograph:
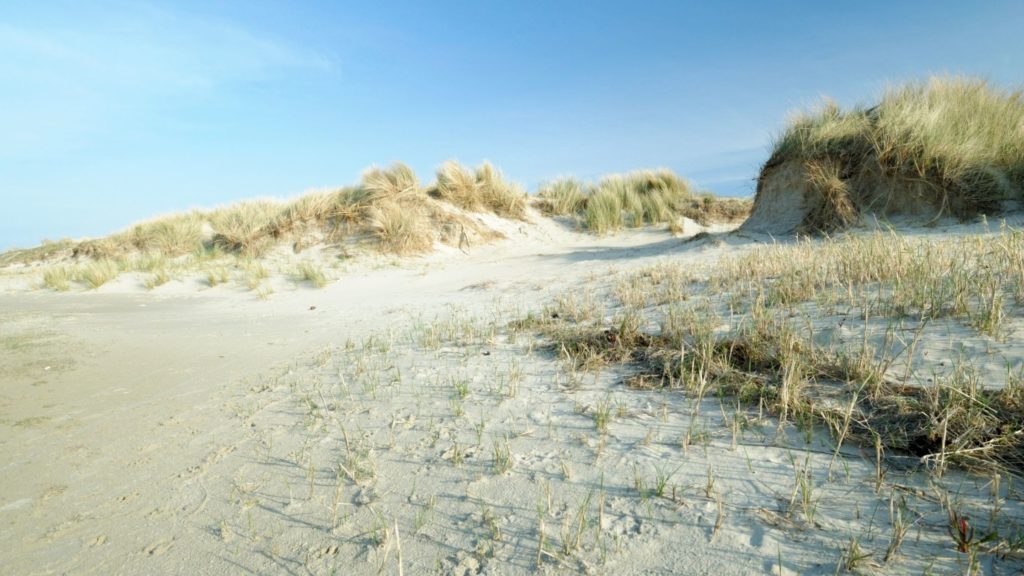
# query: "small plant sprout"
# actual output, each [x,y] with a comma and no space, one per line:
[854,557]
[898,518]
[502,456]
[803,498]
[602,414]
[661,479]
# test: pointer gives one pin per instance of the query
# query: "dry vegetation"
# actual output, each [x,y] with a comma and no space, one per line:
[748,329]
[752,331]
[389,211]
[388,207]
[952,146]
[636,199]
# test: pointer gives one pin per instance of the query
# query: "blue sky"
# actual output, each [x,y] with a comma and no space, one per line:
[111,112]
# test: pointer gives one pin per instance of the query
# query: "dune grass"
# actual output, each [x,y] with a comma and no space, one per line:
[58,278]
[400,229]
[483,189]
[216,276]
[159,277]
[745,329]
[563,197]
[310,272]
[96,273]
[388,211]
[952,143]
[254,274]
[168,236]
[244,228]
[48,250]
[636,199]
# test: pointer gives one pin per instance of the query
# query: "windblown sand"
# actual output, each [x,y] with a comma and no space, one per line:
[392,423]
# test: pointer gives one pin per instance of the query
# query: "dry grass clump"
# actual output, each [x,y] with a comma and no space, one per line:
[707,209]
[400,229]
[159,277]
[746,331]
[168,236]
[954,144]
[254,274]
[310,272]
[305,211]
[636,199]
[396,183]
[563,197]
[98,272]
[58,278]
[243,228]
[482,189]
[457,184]
[218,275]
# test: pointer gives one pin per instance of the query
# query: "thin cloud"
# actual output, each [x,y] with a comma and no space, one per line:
[64,83]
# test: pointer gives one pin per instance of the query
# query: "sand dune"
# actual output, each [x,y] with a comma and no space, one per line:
[393,421]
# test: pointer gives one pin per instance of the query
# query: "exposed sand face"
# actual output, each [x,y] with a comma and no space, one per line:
[209,432]
[785,199]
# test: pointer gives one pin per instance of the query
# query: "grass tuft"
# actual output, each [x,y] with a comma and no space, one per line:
[563,197]
[482,189]
[640,198]
[400,229]
[98,272]
[58,278]
[312,273]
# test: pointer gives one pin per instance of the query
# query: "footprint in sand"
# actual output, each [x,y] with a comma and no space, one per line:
[54,491]
[98,541]
[128,497]
[157,549]
[212,458]
[327,551]
[756,535]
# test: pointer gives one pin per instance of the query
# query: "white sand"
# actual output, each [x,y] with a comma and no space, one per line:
[203,431]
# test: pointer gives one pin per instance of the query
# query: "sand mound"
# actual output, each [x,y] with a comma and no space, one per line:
[811,196]
[950,146]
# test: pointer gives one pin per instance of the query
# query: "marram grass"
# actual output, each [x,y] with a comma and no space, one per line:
[953,143]
[634,199]
[388,208]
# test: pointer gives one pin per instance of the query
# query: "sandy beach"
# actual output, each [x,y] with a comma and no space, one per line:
[393,422]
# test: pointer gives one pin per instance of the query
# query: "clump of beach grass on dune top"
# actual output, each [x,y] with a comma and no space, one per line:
[48,250]
[636,199]
[388,210]
[563,197]
[396,183]
[953,143]
[173,235]
[477,190]
[242,229]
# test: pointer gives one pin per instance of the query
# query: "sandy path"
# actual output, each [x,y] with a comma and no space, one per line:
[113,402]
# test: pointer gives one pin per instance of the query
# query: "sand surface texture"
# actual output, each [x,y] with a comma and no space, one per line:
[392,422]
